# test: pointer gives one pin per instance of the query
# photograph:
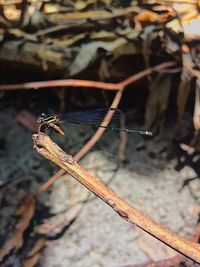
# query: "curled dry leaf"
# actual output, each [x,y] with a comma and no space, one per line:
[25,212]
[34,254]
[58,222]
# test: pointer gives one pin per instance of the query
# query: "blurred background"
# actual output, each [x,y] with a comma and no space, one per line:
[49,219]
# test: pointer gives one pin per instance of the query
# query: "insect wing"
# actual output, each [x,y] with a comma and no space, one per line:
[92,116]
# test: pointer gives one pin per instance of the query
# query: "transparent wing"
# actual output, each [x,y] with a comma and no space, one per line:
[91,116]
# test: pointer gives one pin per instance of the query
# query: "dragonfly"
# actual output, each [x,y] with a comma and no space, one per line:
[93,118]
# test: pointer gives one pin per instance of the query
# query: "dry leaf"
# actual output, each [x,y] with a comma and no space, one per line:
[55,225]
[157,102]
[34,254]
[25,212]
[88,52]
[11,13]
[31,262]
[40,243]
[147,16]
[185,48]
[183,93]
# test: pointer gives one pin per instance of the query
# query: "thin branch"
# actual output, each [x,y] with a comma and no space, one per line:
[86,83]
[51,151]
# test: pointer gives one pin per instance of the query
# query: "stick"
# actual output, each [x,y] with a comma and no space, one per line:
[51,151]
[87,83]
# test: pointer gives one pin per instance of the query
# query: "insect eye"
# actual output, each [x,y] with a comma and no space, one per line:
[41,118]
[43,115]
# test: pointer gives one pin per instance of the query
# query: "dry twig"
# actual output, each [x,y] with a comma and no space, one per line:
[51,151]
[87,83]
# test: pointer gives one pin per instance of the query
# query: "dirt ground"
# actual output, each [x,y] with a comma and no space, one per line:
[97,236]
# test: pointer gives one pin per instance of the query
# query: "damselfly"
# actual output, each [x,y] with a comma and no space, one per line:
[93,118]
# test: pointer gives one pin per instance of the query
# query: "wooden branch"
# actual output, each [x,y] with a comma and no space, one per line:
[51,151]
[88,83]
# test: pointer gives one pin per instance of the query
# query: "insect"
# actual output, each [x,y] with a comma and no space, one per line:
[94,118]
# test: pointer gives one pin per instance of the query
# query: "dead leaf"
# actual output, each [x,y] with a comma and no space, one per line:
[40,243]
[51,8]
[183,93]
[11,13]
[157,102]
[34,255]
[187,15]
[25,212]
[55,225]
[185,48]
[92,14]
[147,16]
[31,262]
[88,52]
